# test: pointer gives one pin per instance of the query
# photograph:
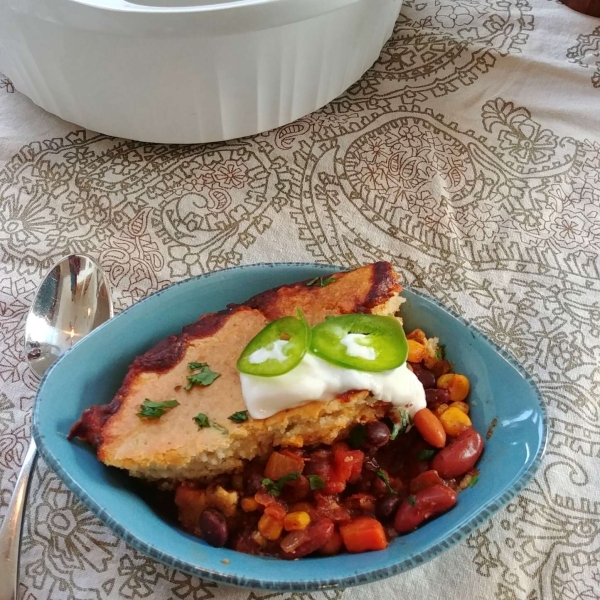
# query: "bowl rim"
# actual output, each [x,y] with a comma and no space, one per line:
[452,538]
[181,6]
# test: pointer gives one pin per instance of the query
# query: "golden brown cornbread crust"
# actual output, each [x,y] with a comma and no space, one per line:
[172,447]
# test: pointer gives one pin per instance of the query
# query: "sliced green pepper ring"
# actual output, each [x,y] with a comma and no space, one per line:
[363,342]
[277,349]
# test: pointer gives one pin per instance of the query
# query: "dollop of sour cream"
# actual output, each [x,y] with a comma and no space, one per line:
[316,379]
[354,348]
[274,350]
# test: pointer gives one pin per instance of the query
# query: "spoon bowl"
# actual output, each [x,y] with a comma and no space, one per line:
[73,299]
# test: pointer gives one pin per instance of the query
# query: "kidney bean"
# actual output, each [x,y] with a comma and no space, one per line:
[419,507]
[386,506]
[378,434]
[459,456]
[318,535]
[214,527]
[435,398]
[425,480]
[425,376]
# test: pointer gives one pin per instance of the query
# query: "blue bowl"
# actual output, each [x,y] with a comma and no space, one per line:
[92,371]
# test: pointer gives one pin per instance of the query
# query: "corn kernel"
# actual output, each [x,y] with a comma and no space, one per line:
[442,408]
[418,335]
[457,385]
[461,406]
[296,521]
[250,504]
[269,528]
[259,539]
[455,421]
[416,351]
[301,506]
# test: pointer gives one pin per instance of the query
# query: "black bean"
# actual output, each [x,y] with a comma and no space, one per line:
[426,377]
[378,434]
[253,483]
[370,464]
[436,397]
[386,506]
[213,527]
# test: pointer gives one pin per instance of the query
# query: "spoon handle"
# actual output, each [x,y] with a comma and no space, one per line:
[10,531]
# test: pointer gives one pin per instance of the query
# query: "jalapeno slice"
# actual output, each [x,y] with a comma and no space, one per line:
[277,349]
[362,342]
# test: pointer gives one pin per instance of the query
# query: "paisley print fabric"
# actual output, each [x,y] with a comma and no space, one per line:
[469,156]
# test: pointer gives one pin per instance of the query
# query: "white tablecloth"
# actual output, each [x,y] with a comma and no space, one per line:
[469,156]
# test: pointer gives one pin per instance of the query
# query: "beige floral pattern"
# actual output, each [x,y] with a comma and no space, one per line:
[476,179]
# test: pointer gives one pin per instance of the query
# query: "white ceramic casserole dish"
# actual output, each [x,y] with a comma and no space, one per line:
[186,71]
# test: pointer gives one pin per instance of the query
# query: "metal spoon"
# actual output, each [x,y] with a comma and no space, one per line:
[73,299]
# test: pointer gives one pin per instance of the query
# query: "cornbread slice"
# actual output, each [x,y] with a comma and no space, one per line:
[172,447]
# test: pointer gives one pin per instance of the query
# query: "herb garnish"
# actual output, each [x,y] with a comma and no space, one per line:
[440,353]
[316,482]
[411,500]
[239,417]
[425,454]
[320,281]
[204,376]
[402,421]
[474,480]
[203,421]
[358,436]
[154,410]
[383,476]
[275,487]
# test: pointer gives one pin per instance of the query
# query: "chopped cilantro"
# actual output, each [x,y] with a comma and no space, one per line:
[155,410]
[203,421]
[239,417]
[411,500]
[383,476]
[194,366]
[401,420]
[275,487]
[474,480]
[320,281]
[440,353]
[316,482]
[358,436]
[425,454]
[204,376]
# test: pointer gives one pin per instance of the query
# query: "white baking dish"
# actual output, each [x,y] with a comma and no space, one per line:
[184,71]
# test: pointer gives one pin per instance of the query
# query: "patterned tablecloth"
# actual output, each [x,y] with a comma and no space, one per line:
[469,156]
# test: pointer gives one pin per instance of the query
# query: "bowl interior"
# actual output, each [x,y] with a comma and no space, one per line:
[91,372]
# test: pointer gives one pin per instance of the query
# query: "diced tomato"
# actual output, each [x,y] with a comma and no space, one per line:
[340,446]
[318,535]
[264,498]
[363,534]
[348,464]
[275,511]
[363,503]
[425,480]
[280,464]
[335,484]
[327,507]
